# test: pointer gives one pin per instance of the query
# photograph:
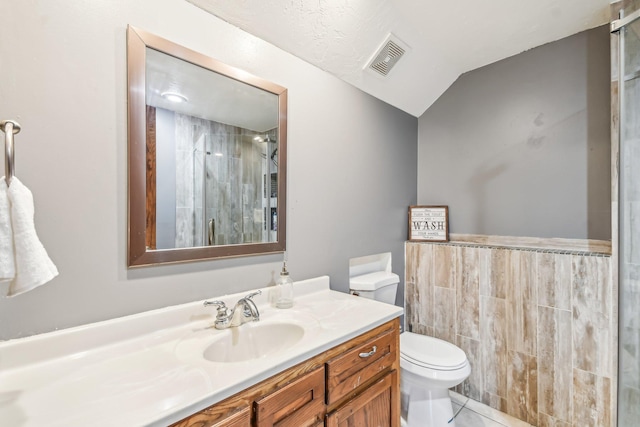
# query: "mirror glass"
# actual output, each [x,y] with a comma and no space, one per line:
[207,156]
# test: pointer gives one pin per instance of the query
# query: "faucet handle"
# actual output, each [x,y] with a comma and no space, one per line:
[220,305]
[253,294]
[222,318]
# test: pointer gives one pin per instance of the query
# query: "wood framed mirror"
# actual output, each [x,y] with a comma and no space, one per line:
[207,156]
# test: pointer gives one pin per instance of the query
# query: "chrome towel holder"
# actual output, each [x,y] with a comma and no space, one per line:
[10,128]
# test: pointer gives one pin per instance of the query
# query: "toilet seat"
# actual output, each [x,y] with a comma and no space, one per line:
[431,353]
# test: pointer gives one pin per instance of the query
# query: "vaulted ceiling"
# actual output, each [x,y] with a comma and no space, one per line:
[441,40]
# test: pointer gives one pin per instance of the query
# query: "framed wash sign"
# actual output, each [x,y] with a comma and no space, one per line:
[429,223]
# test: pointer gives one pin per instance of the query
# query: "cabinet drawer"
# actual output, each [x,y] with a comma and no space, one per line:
[298,404]
[205,418]
[345,373]
[239,419]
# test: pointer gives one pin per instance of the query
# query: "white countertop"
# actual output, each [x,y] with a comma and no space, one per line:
[147,369]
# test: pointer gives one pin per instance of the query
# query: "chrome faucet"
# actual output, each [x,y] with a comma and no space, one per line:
[244,311]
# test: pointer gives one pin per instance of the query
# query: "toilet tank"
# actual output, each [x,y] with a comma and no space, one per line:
[380,286]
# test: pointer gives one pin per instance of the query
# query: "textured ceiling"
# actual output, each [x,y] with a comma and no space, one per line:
[444,39]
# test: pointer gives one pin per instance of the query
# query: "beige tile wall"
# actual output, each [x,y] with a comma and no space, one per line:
[537,326]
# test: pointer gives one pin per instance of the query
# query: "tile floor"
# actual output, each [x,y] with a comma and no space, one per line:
[474,414]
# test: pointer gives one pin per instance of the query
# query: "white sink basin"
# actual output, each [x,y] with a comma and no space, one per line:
[252,341]
[277,333]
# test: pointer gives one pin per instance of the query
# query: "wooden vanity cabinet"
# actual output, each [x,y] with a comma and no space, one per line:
[349,384]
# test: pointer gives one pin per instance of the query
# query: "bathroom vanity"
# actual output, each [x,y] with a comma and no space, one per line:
[357,380]
[330,358]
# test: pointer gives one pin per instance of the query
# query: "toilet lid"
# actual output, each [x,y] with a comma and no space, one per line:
[431,352]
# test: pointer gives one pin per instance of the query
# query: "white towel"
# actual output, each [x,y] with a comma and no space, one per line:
[33,265]
[7,259]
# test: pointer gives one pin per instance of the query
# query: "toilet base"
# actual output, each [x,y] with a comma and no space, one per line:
[426,408]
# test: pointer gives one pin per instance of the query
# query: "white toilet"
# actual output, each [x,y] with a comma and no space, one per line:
[428,366]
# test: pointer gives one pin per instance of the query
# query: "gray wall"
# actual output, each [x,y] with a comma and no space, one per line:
[352,169]
[521,147]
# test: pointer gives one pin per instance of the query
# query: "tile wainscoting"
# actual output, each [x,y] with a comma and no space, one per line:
[539,326]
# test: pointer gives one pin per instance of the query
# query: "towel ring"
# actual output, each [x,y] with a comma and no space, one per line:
[10,128]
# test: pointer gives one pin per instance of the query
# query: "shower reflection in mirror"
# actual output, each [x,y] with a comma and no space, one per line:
[216,184]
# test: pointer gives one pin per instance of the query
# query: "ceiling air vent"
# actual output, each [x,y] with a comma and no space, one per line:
[387,56]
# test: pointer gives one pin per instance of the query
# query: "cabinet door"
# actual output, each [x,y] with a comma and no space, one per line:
[372,408]
[298,404]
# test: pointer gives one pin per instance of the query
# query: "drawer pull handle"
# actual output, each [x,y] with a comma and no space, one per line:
[371,353]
